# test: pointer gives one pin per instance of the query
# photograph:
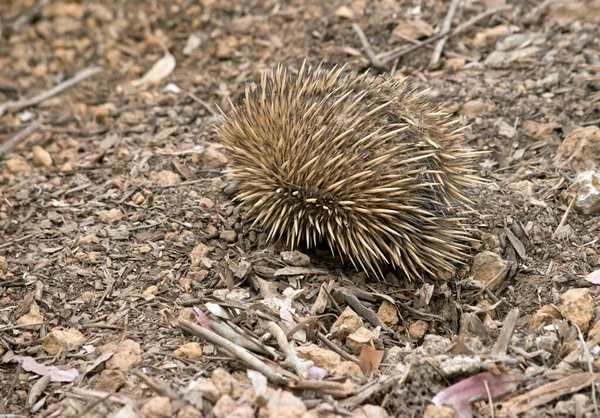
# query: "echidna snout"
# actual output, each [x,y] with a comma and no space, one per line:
[365,163]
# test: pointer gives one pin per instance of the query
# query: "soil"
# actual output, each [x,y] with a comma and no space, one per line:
[132,224]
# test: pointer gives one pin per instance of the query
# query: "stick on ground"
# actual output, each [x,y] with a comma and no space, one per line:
[42,97]
[439,47]
[237,351]
[20,137]
[386,57]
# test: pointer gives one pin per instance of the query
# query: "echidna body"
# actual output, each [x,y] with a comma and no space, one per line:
[363,162]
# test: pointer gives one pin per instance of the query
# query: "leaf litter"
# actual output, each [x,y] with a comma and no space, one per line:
[127,235]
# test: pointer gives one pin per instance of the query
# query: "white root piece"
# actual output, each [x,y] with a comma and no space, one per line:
[291,358]
[241,353]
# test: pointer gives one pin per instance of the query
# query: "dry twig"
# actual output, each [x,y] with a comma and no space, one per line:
[439,47]
[375,61]
[386,57]
[20,137]
[589,360]
[42,97]
[563,220]
[508,327]
[239,352]
[291,358]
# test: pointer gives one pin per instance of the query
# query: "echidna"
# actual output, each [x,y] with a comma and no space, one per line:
[363,162]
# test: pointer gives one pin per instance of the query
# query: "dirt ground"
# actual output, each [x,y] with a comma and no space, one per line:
[121,248]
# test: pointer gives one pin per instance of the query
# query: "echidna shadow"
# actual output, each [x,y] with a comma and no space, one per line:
[364,163]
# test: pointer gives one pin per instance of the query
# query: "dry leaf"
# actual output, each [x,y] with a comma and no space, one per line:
[370,359]
[56,374]
[202,318]
[481,386]
[593,277]
[159,71]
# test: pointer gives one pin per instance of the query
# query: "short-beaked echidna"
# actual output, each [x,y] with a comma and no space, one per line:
[362,162]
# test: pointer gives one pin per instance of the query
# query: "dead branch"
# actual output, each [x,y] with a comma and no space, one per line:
[42,97]
[20,136]
[237,351]
[439,47]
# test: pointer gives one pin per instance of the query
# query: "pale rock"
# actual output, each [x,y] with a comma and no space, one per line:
[504,129]
[165,178]
[17,164]
[188,411]
[196,275]
[228,236]
[66,167]
[207,388]
[110,380]
[505,57]
[394,354]
[199,254]
[580,150]
[524,187]
[283,404]
[578,307]
[587,192]
[321,357]
[347,368]
[63,9]
[417,329]
[157,407]
[243,411]
[346,324]
[487,266]
[414,29]
[434,411]
[111,216]
[594,332]
[187,314]
[3,263]
[474,108]
[213,158]
[538,130]
[224,381]
[360,337]
[345,12]
[32,317]
[370,411]
[388,313]
[546,315]
[490,35]
[126,355]
[224,407]
[451,366]
[295,258]
[226,47]
[41,157]
[455,64]
[102,112]
[192,351]
[205,202]
[63,339]
[101,12]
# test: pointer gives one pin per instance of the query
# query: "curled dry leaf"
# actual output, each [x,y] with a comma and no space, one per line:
[159,71]
[370,359]
[202,318]
[56,374]
[461,394]
[593,277]
[217,310]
